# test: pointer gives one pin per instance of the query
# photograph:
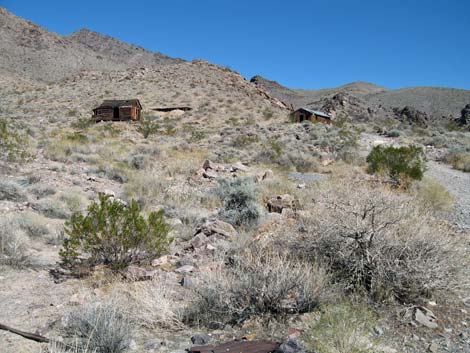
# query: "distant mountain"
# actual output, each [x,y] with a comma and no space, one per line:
[30,51]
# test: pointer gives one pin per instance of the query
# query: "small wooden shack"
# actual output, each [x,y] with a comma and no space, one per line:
[118,110]
[302,114]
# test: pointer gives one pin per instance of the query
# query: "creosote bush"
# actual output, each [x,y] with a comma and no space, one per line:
[240,207]
[259,283]
[114,234]
[400,164]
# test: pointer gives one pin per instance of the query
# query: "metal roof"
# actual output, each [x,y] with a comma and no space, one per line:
[316,112]
[113,103]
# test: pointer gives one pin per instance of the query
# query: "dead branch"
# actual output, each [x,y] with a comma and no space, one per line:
[27,335]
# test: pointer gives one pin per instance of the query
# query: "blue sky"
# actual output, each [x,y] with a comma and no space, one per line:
[299,43]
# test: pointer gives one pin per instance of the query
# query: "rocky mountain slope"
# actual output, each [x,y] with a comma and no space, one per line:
[28,50]
[436,102]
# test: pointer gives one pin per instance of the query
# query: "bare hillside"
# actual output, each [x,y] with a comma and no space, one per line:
[29,50]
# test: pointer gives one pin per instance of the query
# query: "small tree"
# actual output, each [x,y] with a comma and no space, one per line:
[400,164]
[114,234]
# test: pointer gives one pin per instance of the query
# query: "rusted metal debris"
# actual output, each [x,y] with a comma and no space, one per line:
[27,335]
[261,346]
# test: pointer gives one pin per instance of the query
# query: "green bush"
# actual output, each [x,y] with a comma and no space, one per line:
[114,234]
[147,127]
[459,161]
[400,164]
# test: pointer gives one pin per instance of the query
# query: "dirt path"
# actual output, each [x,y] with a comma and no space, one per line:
[458,184]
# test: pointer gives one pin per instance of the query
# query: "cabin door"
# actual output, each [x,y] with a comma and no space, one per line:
[116,113]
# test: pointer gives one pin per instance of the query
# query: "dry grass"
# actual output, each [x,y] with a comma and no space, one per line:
[261,283]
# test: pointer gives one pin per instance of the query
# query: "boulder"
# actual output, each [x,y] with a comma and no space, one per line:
[201,339]
[239,166]
[199,240]
[216,227]
[280,202]
[214,166]
[185,269]
[425,317]
[210,174]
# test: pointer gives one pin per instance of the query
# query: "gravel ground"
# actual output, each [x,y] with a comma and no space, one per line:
[458,184]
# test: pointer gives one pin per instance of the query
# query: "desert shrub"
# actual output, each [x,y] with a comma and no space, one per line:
[10,191]
[240,207]
[344,327]
[138,161]
[257,284]
[115,234]
[77,136]
[33,224]
[74,199]
[242,141]
[400,164]
[147,127]
[81,123]
[13,243]
[459,160]
[145,187]
[13,146]
[379,241]
[434,196]
[393,133]
[41,191]
[51,208]
[267,114]
[303,162]
[101,328]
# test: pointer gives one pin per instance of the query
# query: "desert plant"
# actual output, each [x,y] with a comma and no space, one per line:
[115,234]
[343,327]
[400,164]
[459,160]
[240,206]
[101,328]
[259,283]
[384,243]
[10,191]
[13,146]
[434,196]
[147,127]
[13,243]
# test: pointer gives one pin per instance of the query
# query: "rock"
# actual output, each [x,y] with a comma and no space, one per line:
[280,202]
[378,331]
[213,166]
[464,118]
[412,116]
[174,222]
[425,317]
[139,274]
[466,301]
[301,186]
[210,247]
[432,303]
[201,339]
[185,269]
[187,282]
[77,299]
[268,174]
[108,192]
[164,260]
[217,227]
[153,344]
[199,240]
[433,347]
[291,346]
[239,166]
[210,174]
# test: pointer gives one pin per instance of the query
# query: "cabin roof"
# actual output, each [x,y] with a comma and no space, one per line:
[115,103]
[316,112]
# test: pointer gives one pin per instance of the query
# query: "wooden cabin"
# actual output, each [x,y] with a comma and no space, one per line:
[314,116]
[118,110]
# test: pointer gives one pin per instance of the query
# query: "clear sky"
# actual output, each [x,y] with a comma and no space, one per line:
[299,43]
